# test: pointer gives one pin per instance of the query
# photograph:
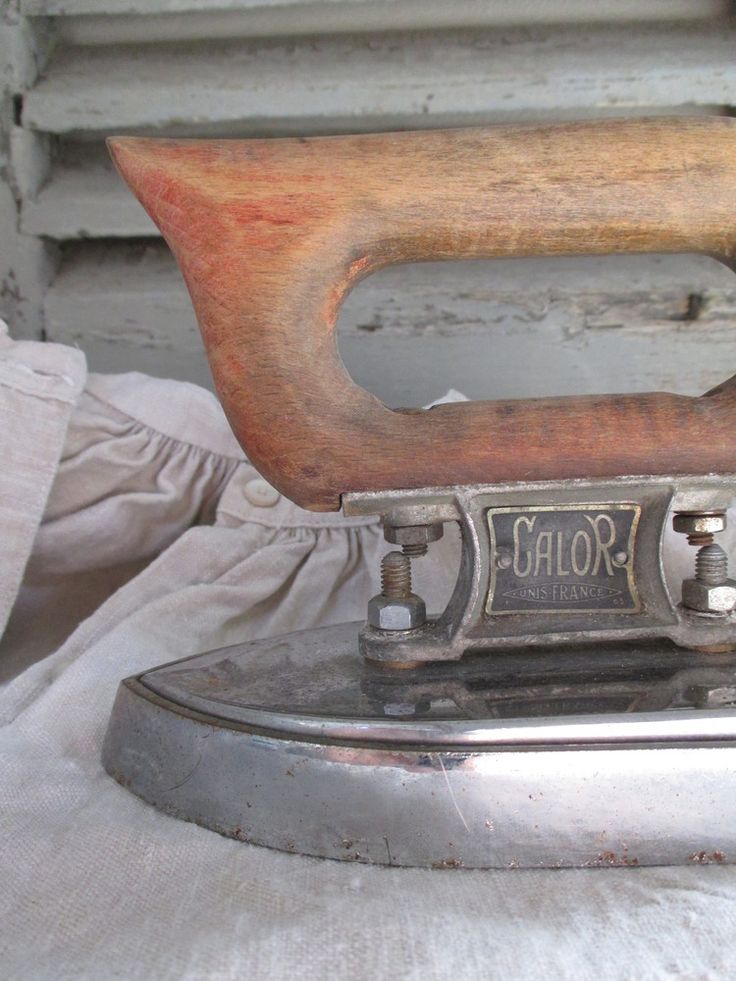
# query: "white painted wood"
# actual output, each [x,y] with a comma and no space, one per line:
[493,329]
[24,46]
[498,11]
[31,155]
[309,17]
[268,67]
[68,7]
[85,198]
[364,82]
[26,263]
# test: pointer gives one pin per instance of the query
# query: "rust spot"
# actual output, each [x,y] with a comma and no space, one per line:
[347,843]
[448,863]
[611,858]
[707,858]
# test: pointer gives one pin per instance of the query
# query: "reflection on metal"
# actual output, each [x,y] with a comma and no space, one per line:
[564,710]
[606,755]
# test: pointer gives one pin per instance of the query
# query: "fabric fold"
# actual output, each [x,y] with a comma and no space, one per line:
[39,386]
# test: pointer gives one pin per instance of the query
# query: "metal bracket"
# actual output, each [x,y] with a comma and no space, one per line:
[552,563]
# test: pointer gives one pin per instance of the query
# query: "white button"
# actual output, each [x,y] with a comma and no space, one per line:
[261,494]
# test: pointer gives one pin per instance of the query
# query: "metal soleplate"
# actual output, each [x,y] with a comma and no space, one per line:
[609,756]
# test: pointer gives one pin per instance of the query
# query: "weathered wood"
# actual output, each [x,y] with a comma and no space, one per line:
[71,7]
[26,264]
[363,82]
[270,237]
[315,17]
[70,194]
[84,198]
[426,11]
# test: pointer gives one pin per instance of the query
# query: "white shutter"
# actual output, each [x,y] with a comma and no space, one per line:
[95,273]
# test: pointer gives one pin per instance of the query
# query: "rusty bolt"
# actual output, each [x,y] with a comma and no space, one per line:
[397,608]
[700,527]
[413,539]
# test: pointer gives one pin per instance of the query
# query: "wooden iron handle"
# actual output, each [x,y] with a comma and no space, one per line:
[271,235]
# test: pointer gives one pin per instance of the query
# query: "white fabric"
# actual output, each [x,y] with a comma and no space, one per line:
[39,385]
[150,550]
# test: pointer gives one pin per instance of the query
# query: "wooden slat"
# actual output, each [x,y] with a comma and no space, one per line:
[498,329]
[500,11]
[85,198]
[59,8]
[502,329]
[365,15]
[387,81]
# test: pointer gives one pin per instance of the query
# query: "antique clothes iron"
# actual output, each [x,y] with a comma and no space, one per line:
[567,708]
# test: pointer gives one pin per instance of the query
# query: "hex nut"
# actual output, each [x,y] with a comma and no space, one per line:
[406,613]
[703,598]
[413,534]
[699,524]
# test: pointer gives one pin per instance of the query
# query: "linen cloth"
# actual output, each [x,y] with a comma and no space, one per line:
[146,547]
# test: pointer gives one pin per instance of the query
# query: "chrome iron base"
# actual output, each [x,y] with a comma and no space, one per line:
[298,744]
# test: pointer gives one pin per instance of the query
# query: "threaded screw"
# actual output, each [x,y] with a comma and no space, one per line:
[711,565]
[699,526]
[414,540]
[700,540]
[415,551]
[396,575]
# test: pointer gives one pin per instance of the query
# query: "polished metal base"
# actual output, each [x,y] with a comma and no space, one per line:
[601,756]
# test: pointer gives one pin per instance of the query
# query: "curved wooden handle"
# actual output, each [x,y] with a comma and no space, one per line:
[271,234]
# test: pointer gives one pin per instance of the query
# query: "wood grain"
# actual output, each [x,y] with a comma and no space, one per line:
[271,235]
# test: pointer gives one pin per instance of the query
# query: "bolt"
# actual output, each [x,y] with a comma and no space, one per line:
[396,575]
[699,527]
[711,591]
[700,540]
[715,600]
[413,539]
[504,558]
[711,565]
[397,608]
[416,550]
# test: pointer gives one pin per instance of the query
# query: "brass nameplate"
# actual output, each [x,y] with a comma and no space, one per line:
[563,558]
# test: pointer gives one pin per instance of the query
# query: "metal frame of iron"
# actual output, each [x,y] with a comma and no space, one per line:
[466,625]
